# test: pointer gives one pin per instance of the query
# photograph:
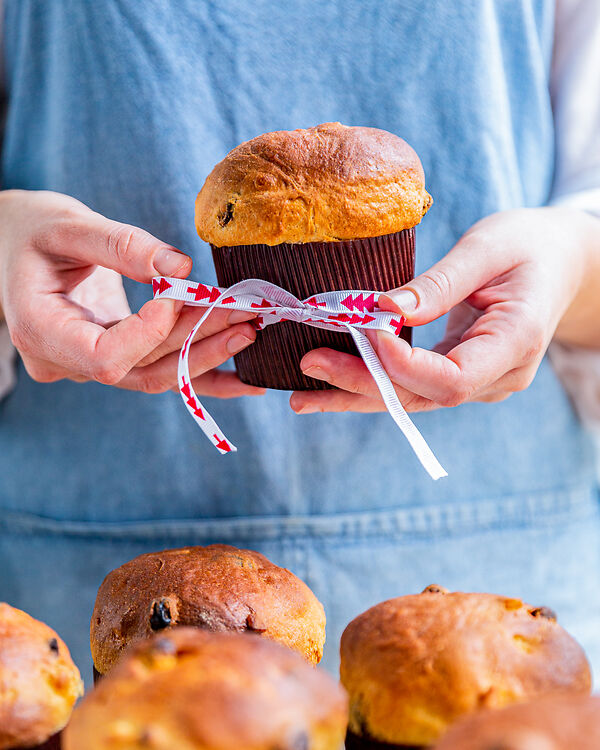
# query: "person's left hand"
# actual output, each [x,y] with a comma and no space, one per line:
[507,283]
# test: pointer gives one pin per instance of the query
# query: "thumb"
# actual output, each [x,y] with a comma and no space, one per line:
[446,284]
[129,250]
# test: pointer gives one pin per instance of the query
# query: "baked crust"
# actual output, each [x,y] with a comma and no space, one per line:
[39,683]
[195,690]
[415,664]
[322,184]
[557,722]
[215,588]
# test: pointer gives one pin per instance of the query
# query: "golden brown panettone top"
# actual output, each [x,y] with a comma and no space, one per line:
[215,588]
[557,722]
[194,690]
[414,664]
[39,683]
[321,184]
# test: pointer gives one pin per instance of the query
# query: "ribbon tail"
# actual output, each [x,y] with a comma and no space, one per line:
[202,418]
[390,397]
[326,310]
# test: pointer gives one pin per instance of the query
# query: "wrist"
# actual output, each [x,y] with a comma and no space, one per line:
[579,322]
[7,212]
[1,286]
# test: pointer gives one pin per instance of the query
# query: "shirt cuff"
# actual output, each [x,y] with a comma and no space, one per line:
[585,200]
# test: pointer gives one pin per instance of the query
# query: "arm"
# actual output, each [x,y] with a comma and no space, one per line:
[573,83]
[7,352]
[580,323]
[7,356]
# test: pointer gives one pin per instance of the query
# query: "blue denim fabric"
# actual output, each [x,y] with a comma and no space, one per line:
[127,106]
[541,547]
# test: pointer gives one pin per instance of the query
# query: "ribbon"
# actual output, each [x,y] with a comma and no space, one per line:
[350,310]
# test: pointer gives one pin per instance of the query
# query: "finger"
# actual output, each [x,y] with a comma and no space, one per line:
[66,337]
[493,396]
[311,402]
[349,373]
[503,388]
[43,371]
[427,373]
[224,384]
[470,264]
[460,320]
[514,381]
[494,345]
[218,320]
[205,355]
[89,237]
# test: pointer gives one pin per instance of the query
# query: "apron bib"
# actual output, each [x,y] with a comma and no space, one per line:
[127,106]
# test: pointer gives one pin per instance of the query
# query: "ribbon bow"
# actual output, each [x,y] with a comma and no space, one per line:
[336,311]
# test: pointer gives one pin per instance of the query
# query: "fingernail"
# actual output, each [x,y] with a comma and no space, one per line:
[239,316]
[237,342]
[168,262]
[317,372]
[405,300]
[296,404]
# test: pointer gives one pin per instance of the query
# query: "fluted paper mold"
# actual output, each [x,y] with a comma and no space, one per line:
[375,263]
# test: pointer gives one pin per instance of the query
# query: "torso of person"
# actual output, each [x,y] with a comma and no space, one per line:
[127,106]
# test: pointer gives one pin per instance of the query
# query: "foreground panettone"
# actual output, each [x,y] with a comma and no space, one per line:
[323,209]
[557,722]
[321,184]
[215,588]
[39,683]
[415,664]
[194,690]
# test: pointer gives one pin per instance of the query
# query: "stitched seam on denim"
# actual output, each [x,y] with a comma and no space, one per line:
[422,543]
[535,510]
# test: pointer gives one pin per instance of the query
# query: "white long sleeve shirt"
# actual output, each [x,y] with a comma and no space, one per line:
[575,91]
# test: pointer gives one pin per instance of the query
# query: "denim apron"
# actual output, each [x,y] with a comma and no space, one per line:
[127,106]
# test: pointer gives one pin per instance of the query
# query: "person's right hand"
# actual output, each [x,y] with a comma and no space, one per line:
[67,314]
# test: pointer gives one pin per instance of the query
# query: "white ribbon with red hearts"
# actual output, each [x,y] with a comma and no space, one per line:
[348,310]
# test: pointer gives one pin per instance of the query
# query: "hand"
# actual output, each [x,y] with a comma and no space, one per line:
[507,284]
[66,310]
